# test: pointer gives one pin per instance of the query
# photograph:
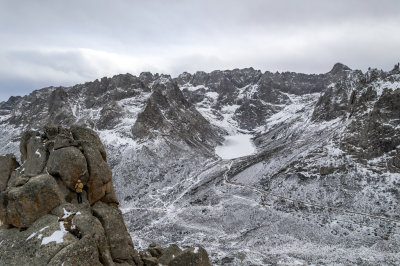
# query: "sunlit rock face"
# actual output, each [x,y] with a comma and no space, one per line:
[183,176]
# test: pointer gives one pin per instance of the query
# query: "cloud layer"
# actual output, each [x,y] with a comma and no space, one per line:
[67,42]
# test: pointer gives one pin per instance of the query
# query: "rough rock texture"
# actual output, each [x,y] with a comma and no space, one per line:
[89,138]
[110,116]
[119,241]
[28,202]
[169,113]
[8,164]
[168,254]
[156,255]
[41,203]
[34,154]
[70,165]
[191,257]
[41,222]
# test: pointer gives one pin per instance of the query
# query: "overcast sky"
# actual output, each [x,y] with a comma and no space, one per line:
[50,42]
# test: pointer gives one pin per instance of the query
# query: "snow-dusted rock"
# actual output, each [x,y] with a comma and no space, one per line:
[196,256]
[321,186]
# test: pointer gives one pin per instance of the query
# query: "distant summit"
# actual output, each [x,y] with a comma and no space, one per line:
[339,68]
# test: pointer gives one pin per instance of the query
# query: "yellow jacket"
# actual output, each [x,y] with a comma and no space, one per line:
[79,187]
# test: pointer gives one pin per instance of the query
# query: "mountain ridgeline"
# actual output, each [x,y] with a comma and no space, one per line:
[323,186]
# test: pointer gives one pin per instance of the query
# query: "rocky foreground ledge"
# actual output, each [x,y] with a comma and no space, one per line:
[41,220]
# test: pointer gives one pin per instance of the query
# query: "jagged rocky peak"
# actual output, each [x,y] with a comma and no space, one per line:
[221,81]
[339,68]
[354,92]
[42,222]
[377,133]
[168,113]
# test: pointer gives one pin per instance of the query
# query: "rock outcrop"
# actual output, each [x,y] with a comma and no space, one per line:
[8,163]
[42,224]
[168,113]
[38,209]
[156,255]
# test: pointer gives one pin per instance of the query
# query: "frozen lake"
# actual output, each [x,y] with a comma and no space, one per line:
[236,146]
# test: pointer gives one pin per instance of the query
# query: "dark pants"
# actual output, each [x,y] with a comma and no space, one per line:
[79,194]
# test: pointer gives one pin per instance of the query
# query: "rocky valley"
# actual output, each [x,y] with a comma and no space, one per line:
[257,168]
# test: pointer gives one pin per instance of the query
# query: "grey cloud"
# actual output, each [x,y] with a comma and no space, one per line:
[44,37]
[59,61]
[151,21]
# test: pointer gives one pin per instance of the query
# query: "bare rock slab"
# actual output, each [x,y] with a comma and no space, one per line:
[27,203]
[70,165]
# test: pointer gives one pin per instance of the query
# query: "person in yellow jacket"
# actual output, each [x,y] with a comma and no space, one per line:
[79,189]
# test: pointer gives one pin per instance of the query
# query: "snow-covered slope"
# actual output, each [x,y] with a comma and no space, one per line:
[319,184]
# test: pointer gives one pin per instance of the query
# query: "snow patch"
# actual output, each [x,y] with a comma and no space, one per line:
[57,236]
[248,91]
[67,213]
[236,146]
[31,236]
[189,87]
[41,230]
[38,153]
[380,85]
[213,95]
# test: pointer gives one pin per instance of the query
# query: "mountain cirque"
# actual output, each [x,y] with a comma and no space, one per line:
[44,225]
[322,187]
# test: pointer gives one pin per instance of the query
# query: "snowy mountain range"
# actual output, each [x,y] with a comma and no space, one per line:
[259,168]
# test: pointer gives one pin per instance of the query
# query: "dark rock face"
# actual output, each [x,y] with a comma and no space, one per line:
[63,106]
[339,69]
[110,115]
[58,107]
[377,133]
[191,256]
[168,113]
[70,165]
[88,137]
[8,163]
[168,254]
[119,241]
[338,99]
